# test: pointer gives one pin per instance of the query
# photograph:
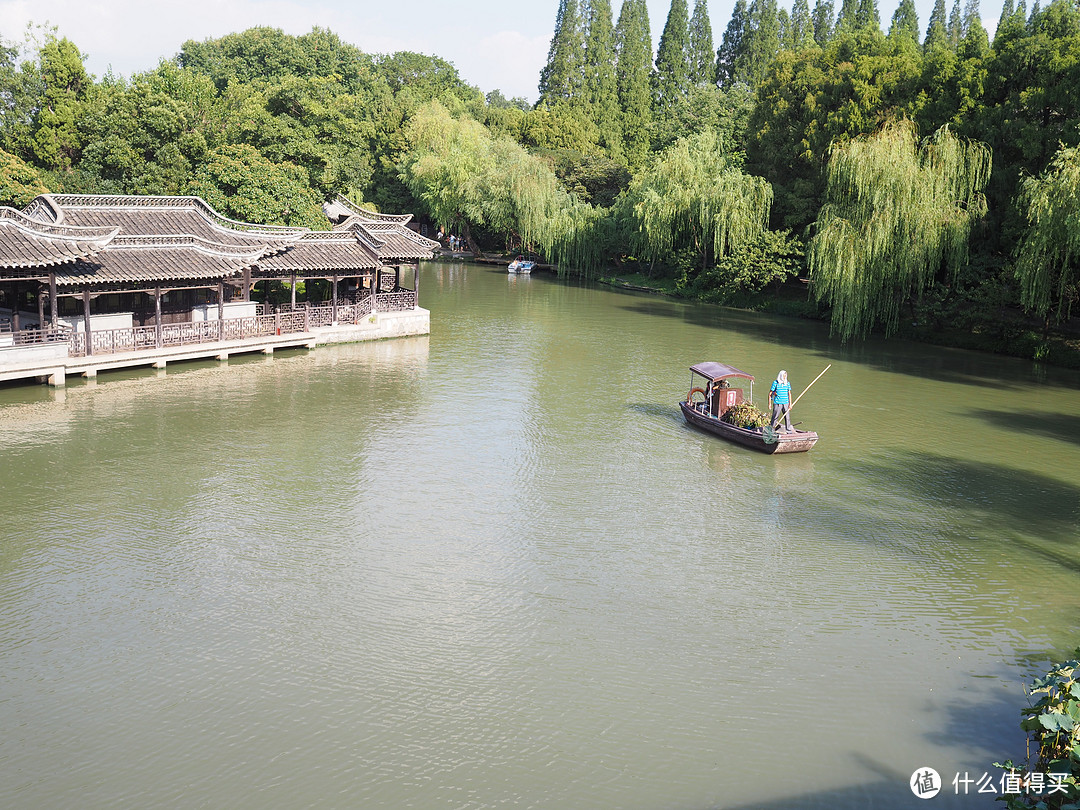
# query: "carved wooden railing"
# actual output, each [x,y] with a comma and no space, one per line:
[396,301]
[289,320]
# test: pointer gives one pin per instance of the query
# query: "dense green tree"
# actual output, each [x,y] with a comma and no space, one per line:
[733,45]
[241,183]
[601,90]
[560,126]
[823,18]
[812,98]
[632,75]
[701,45]
[1031,104]
[562,75]
[905,23]
[769,259]
[671,81]
[19,182]
[264,54]
[1046,258]
[725,111]
[65,86]
[897,213]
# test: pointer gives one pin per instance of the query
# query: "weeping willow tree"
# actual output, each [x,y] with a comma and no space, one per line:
[466,177]
[1046,255]
[897,212]
[694,196]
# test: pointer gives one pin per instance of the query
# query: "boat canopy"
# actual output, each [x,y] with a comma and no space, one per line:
[718,371]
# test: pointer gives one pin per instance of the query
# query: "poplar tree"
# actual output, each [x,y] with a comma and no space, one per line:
[601,92]
[561,77]
[671,81]
[762,42]
[701,45]
[633,43]
[955,25]
[905,22]
[867,17]
[1046,257]
[1005,22]
[783,27]
[823,22]
[896,212]
[802,25]
[937,32]
[732,45]
[971,17]
[847,20]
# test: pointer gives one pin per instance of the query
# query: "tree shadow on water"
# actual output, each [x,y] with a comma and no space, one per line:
[1031,503]
[892,355]
[1065,427]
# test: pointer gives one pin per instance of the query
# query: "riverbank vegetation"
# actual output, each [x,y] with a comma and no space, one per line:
[916,181]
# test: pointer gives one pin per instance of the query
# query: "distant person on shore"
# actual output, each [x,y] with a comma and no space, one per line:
[780,399]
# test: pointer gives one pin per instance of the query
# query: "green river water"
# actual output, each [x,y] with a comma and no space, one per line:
[493,568]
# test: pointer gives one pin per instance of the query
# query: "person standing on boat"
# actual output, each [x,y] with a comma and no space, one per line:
[780,399]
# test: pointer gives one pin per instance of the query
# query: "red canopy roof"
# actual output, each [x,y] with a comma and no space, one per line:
[718,371]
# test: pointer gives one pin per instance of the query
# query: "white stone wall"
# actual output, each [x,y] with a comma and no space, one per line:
[233,309]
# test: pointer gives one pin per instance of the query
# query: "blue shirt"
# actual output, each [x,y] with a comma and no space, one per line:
[781,393]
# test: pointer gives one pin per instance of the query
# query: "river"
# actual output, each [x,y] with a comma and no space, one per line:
[493,568]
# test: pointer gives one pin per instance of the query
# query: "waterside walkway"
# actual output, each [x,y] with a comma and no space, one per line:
[51,356]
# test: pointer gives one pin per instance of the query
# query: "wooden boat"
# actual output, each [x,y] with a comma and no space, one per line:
[720,389]
[520,265]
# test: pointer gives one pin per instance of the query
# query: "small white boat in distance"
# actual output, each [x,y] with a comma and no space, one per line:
[519,265]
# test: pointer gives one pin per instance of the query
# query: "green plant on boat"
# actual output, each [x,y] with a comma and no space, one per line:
[1053,726]
[745,415]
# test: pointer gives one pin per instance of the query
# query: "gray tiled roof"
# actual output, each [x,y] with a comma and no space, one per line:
[323,252]
[25,242]
[389,233]
[160,239]
[149,215]
[154,259]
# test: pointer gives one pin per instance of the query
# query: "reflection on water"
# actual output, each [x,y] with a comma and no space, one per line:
[494,567]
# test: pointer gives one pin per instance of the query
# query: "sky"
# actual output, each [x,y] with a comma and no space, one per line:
[494,44]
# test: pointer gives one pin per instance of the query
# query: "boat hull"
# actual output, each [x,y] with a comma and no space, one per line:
[797,442]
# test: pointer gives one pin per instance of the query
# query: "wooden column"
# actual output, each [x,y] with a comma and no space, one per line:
[40,307]
[247,283]
[292,283]
[157,316]
[15,308]
[86,322]
[334,298]
[52,300]
[416,282]
[220,309]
